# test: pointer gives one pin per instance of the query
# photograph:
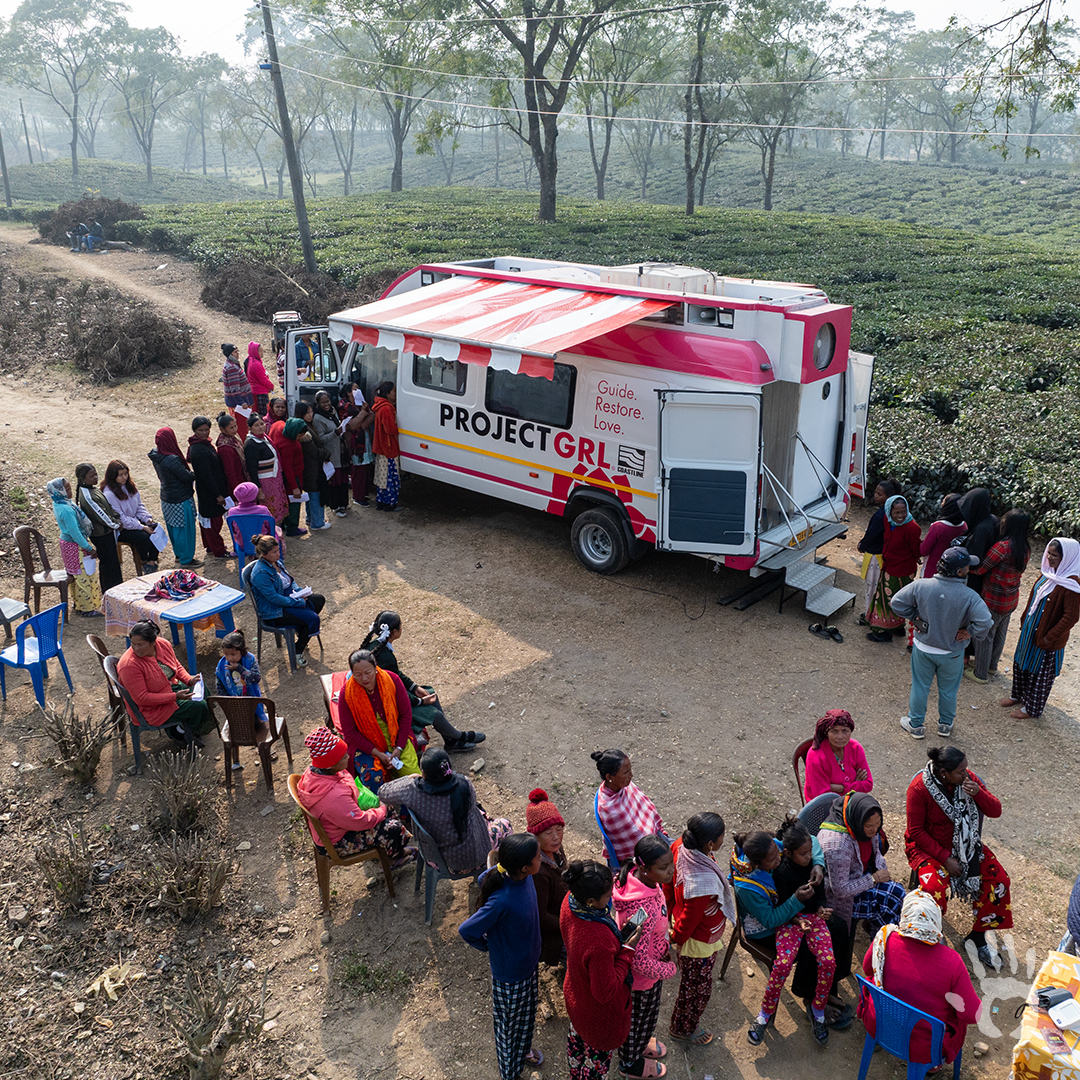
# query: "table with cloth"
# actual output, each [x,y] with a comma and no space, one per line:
[208,608]
[1043,1052]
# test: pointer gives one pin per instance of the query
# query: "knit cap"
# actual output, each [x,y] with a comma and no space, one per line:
[541,814]
[326,748]
[228,350]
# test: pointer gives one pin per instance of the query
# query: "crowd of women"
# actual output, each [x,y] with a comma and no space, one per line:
[893,547]
[253,457]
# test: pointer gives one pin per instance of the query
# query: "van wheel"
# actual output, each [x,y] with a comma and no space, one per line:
[598,541]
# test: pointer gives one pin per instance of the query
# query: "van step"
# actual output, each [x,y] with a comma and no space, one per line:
[788,555]
[817,581]
[829,602]
[805,575]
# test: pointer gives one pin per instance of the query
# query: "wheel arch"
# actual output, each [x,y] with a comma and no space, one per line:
[584,497]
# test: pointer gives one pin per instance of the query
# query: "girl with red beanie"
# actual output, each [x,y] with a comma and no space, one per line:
[598,975]
[639,887]
[546,824]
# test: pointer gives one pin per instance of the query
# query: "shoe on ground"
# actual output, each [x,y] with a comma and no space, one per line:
[460,746]
[944,730]
[192,564]
[969,673]
[474,736]
[236,767]
[320,528]
[818,1027]
[361,502]
[301,660]
[845,1017]
[149,567]
[756,1034]
[989,957]
[916,731]
[879,635]
[298,531]
[341,513]
[89,614]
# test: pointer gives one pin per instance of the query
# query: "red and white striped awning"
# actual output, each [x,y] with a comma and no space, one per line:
[502,324]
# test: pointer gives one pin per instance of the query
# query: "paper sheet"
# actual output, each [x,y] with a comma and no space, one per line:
[198,689]
[328,470]
[160,538]
[301,498]
[358,397]
[89,565]
[299,594]
[229,502]
[242,410]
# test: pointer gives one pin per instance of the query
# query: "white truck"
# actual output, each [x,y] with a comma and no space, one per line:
[651,405]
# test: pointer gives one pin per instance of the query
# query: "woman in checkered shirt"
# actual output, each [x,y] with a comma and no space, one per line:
[625,812]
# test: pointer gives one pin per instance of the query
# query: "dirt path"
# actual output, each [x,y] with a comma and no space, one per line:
[552,662]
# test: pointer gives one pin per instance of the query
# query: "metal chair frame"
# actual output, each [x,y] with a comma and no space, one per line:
[432,874]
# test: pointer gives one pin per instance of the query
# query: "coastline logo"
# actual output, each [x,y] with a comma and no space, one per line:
[1001,991]
[631,461]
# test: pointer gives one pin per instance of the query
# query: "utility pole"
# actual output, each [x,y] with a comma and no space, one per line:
[3,169]
[26,132]
[296,179]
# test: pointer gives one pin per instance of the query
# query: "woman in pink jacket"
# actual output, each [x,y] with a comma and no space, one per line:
[260,383]
[836,762]
[328,791]
[639,886]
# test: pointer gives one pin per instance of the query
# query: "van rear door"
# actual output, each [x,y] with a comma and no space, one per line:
[325,364]
[860,375]
[710,459]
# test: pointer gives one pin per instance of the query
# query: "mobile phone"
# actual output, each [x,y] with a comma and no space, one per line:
[637,918]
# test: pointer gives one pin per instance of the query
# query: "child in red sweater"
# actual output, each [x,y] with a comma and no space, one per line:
[598,960]
[702,903]
[639,887]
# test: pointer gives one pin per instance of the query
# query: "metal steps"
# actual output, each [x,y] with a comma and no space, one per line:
[783,557]
[818,582]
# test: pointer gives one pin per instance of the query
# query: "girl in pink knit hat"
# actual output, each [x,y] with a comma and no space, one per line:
[546,824]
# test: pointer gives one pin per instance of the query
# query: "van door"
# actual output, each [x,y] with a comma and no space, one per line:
[323,364]
[710,459]
[860,375]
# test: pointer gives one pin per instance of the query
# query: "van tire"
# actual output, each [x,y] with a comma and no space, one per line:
[599,542]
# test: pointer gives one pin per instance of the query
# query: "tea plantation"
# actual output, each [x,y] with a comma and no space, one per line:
[977,339]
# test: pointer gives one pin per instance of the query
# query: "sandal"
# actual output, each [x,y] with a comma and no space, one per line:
[879,636]
[650,1070]
[1008,702]
[655,1050]
[534,1057]
[834,633]
[1020,714]
[819,629]
[701,1037]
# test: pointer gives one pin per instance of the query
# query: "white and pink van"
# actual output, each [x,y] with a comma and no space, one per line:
[650,405]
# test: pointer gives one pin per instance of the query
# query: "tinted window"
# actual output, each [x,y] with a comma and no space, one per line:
[543,401]
[373,365]
[432,373]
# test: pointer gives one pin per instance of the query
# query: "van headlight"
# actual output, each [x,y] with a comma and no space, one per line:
[824,346]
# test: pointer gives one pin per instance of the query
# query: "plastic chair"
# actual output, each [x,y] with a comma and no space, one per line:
[327,684]
[894,1023]
[332,858]
[241,718]
[34,655]
[10,610]
[609,847]
[46,578]
[242,528]
[136,558]
[431,866]
[288,632]
[817,810]
[799,755]
[761,953]
[115,700]
[136,720]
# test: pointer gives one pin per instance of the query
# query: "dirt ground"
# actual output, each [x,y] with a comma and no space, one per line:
[552,663]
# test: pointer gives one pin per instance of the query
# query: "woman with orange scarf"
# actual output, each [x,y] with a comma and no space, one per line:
[376,721]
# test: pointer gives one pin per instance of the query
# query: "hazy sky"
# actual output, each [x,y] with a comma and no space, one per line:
[215,25]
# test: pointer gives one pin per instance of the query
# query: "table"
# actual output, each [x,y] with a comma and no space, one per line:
[209,608]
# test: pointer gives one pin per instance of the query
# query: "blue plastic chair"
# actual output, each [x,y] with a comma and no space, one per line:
[894,1023]
[34,654]
[242,528]
[609,847]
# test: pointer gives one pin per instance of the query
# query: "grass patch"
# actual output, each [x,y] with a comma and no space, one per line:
[17,498]
[375,979]
[756,803]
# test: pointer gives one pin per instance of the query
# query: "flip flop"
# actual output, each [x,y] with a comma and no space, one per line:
[835,634]
[1020,714]
[701,1037]
[650,1070]
[817,628]
[655,1050]
[534,1057]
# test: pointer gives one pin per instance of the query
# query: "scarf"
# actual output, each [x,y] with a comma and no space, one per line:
[698,875]
[744,873]
[591,914]
[294,428]
[356,697]
[828,722]
[165,441]
[849,813]
[176,585]
[888,508]
[920,918]
[1064,575]
[966,840]
[231,440]
[56,491]
[192,440]
[440,779]
[950,510]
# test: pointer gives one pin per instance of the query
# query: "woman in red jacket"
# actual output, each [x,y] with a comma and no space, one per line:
[384,444]
[899,563]
[702,903]
[945,808]
[286,436]
[598,979]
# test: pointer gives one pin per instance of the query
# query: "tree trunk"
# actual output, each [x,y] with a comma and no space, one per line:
[884,122]
[262,167]
[597,170]
[768,167]
[149,170]
[202,133]
[496,136]
[547,166]
[75,136]
[704,175]
[281,179]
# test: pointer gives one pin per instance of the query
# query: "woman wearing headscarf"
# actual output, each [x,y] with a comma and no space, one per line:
[230,449]
[948,527]
[329,429]
[74,528]
[258,380]
[237,388]
[899,563]
[247,503]
[444,803]
[285,435]
[264,469]
[384,442]
[857,883]
[177,488]
[104,524]
[278,410]
[315,456]
[1053,609]
[912,961]
[982,527]
[836,762]
[946,804]
[211,486]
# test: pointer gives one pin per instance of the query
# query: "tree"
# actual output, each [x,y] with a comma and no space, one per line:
[341,114]
[56,46]
[146,69]
[881,61]
[639,136]
[203,77]
[94,101]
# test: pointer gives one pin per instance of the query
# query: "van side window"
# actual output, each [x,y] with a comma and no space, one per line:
[433,373]
[543,401]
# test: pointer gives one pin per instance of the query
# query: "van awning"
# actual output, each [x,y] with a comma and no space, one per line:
[502,324]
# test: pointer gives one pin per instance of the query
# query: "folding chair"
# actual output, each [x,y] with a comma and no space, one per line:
[136,720]
[241,729]
[332,858]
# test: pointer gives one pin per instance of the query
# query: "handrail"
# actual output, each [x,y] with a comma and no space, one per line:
[815,461]
[775,484]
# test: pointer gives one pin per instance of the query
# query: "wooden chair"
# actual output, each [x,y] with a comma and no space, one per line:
[241,729]
[115,700]
[323,862]
[136,558]
[799,756]
[45,578]
[431,866]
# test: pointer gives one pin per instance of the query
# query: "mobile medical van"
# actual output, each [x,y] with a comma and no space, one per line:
[651,405]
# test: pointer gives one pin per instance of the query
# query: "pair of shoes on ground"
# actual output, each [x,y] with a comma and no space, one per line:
[467,742]
[651,1067]
[969,673]
[389,509]
[320,528]
[918,731]
[821,630]
[879,635]
[342,512]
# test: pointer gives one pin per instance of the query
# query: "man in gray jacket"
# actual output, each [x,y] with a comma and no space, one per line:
[946,614]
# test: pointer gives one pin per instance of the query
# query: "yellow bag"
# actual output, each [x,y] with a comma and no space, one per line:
[1043,1051]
